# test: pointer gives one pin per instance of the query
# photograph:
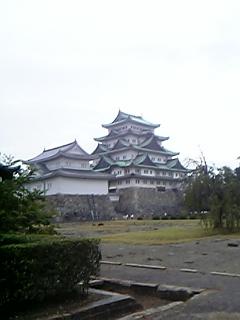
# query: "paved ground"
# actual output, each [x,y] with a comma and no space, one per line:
[220,300]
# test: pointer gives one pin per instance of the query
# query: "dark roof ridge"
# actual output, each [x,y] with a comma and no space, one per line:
[123,117]
[64,145]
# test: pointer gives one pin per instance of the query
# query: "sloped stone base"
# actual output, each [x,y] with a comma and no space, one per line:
[146,202]
[81,207]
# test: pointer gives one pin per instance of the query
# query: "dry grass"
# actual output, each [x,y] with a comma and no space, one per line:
[154,237]
[148,232]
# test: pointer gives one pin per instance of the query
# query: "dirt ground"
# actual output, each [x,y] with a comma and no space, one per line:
[204,255]
[214,264]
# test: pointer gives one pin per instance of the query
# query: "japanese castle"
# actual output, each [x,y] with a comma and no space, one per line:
[130,155]
[66,170]
[135,156]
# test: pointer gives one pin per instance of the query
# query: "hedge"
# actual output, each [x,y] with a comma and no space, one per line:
[17,238]
[34,271]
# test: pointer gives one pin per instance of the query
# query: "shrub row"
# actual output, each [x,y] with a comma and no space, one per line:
[34,271]
[17,238]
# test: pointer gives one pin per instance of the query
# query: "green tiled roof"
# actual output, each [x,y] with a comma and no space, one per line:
[120,144]
[144,160]
[176,164]
[99,149]
[112,134]
[152,144]
[123,117]
[104,163]
[141,160]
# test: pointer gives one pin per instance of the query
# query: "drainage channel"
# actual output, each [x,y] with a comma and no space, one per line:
[147,298]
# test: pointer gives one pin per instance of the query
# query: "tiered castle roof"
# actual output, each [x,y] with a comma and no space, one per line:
[146,145]
[123,118]
[70,151]
[121,145]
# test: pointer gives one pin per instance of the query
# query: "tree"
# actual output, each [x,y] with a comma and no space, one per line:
[215,194]
[21,209]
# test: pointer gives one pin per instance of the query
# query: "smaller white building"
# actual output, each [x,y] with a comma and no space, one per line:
[66,170]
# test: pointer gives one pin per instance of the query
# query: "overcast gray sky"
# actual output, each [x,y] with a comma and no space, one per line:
[66,67]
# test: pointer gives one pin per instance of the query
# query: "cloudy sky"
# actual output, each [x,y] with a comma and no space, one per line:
[66,67]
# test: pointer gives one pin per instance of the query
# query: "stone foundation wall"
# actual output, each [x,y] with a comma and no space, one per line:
[149,202]
[142,202]
[81,207]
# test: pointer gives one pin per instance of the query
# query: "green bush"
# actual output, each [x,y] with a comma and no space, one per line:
[39,269]
[16,238]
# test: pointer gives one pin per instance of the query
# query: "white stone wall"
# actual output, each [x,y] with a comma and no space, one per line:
[142,182]
[68,164]
[124,155]
[66,185]
[135,127]
[155,157]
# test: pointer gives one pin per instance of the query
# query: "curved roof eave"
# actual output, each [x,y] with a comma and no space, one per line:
[63,155]
[166,152]
[138,121]
[92,175]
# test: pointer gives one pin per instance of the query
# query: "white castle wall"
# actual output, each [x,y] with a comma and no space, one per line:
[68,164]
[66,185]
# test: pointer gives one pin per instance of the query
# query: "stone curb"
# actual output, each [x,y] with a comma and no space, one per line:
[147,266]
[189,270]
[115,263]
[158,267]
[151,312]
[176,293]
[113,303]
[225,274]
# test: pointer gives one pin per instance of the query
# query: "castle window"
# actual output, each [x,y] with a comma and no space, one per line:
[137,181]
[145,171]
[137,170]
[128,181]
[151,181]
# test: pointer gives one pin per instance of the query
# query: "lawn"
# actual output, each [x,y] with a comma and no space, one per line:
[138,231]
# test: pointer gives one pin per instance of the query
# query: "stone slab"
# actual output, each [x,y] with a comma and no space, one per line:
[225,274]
[147,266]
[116,263]
[189,270]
